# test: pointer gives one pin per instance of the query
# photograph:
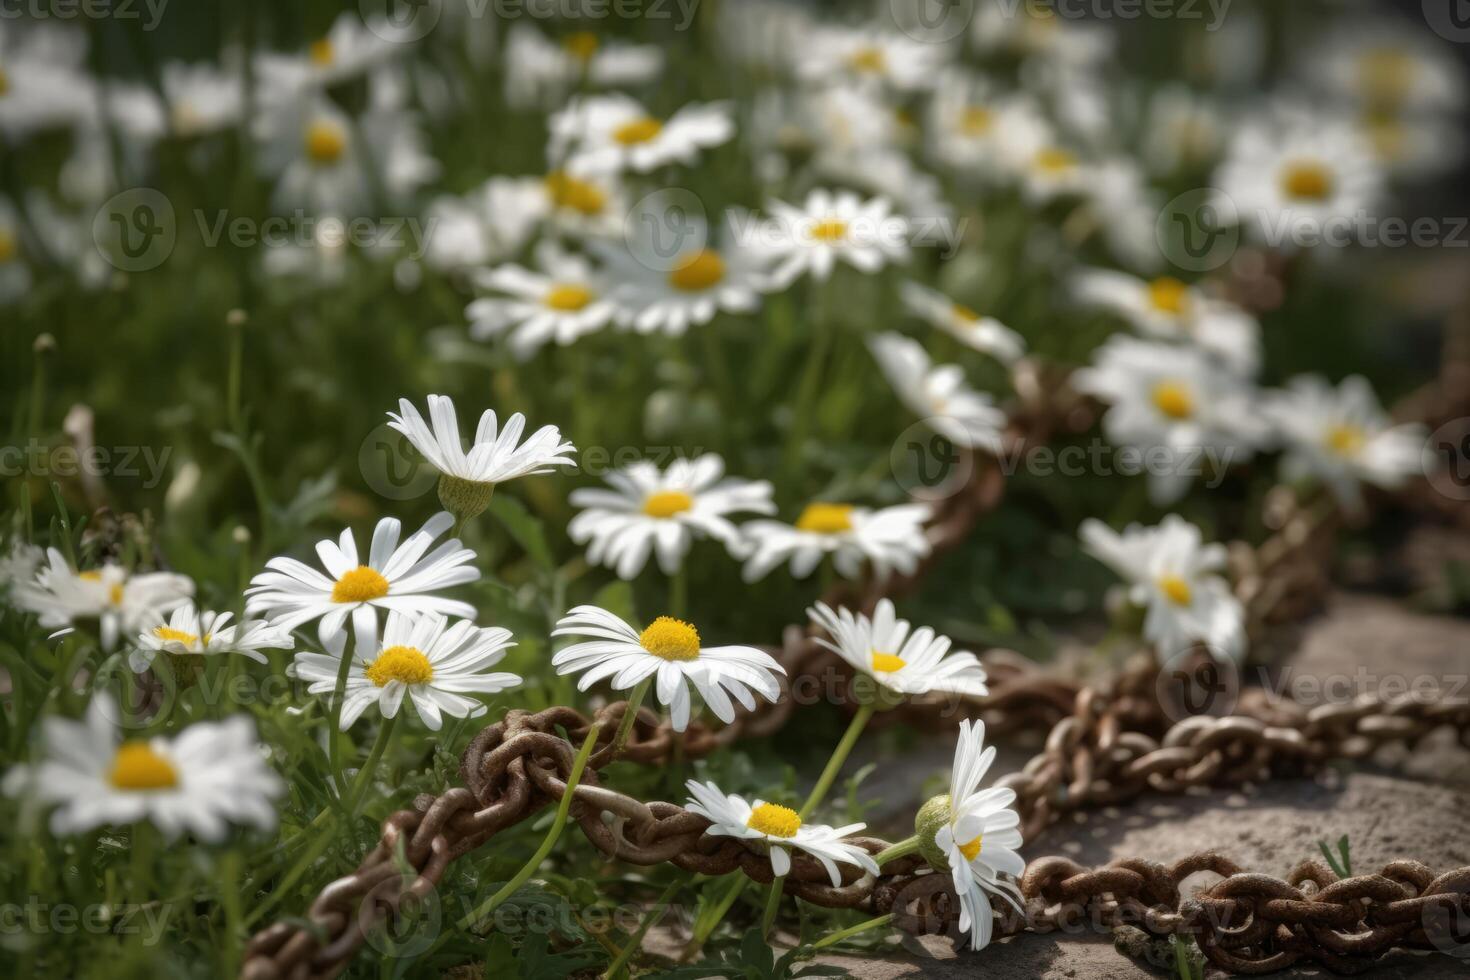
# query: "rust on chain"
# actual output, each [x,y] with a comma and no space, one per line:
[1104,745]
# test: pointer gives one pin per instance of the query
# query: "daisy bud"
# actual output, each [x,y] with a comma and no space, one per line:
[927,822]
[465,499]
[236,318]
[44,343]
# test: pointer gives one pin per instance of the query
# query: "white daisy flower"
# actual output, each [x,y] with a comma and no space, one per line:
[1382,65]
[938,394]
[202,98]
[973,131]
[780,829]
[309,145]
[1176,578]
[975,835]
[1342,437]
[1412,147]
[208,776]
[349,49]
[20,563]
[1053,171]
[1293,178]
[603,134]
[1037,31]
[437,666]
[668,654]
[830,227]
[467,480]
[396,576]
[891,539]
[985,334]
[120,602]
[689,288]
[562,302]
[869,56]
[44,84]
[1169,309]
[649,511]
[190,631]
[900,659]
[540,72]
[581,205]
[1177,404]
[1182,130]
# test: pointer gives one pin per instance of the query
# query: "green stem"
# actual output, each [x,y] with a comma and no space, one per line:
[842,934]
[635,941]
[705,926]
[839,756]
[365,774]
[511,887]
[678,593]
[635,701]
[349,650]
[902,849]
[773,902]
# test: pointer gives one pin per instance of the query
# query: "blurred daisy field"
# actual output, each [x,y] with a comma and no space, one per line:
[371,371]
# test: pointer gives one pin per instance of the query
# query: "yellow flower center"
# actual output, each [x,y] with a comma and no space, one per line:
[869,60]
[638,131]
[670,639]
[964,313]
[830,230]
[774,820]
[405,664]
[362,584]
[820,518]
[1176,589]
[114,594]
[972,849]
[667,503]
[1173,399]
[325,142]
[977,120]
[170,635]
[1346,439]
[9,247]
[575,195]
[1387,135]
[1054,161]
[322,53]
[1168,295]
[887,663]
[581,45]
[1386,75]
[1307,182]
[136,766]
[699,271]
[568,297]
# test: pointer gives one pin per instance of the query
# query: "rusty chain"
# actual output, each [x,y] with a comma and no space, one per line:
[1105,745]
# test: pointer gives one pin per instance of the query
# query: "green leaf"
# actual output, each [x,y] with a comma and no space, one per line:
[526,529]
